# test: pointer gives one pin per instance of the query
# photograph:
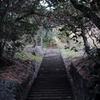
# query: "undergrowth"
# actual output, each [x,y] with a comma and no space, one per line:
[27,56]
[67,50]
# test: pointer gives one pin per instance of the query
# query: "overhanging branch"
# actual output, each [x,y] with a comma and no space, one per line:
[87,12]
[26,15]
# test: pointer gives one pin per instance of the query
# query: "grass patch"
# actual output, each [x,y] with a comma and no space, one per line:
[70,53]
[26,56]
[67,50]
[29,45]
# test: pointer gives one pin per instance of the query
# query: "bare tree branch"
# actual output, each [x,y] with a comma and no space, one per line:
[31,13]
[87,12]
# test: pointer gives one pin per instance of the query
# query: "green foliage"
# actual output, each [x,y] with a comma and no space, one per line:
[47,40]
[96,93]
[26,56]
[13,33]
[46,34]
[67,50]
[22,17]
[64,32]
[95,73]
[63,35]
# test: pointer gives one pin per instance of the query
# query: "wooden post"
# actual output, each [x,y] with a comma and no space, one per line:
[41,41]
[35,45]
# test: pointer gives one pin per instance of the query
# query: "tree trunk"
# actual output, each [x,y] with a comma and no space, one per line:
[83,34]
[35,45]
[87,12]
[1,50]
[41,41]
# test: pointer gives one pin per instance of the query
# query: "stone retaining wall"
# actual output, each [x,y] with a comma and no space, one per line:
[78,83]
[12,90]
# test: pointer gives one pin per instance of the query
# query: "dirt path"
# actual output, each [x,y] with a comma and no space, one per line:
[52,82]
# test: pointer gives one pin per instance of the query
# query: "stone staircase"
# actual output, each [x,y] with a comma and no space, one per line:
[52,82]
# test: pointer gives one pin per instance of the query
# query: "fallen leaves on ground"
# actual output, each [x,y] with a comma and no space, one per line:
[81,63]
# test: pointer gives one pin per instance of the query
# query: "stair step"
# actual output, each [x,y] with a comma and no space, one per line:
[52,82]
[48,95]
[54,90]
[55,98]
[51,92]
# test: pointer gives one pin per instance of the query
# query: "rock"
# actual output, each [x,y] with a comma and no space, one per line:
[1,87]
[39,51]
[13,90]
[44,49]
[80,84]
[33,65]
[66,47]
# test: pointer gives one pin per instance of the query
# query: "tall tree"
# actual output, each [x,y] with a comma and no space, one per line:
[89,12]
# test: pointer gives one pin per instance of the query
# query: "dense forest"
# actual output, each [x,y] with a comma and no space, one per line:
[76,23]
[24,18]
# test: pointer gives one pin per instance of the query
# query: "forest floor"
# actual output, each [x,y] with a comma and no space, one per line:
[81,62]
[19,67]
[87,68]
[52,81]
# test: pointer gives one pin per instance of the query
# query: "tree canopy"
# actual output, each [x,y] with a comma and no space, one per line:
[19,18]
